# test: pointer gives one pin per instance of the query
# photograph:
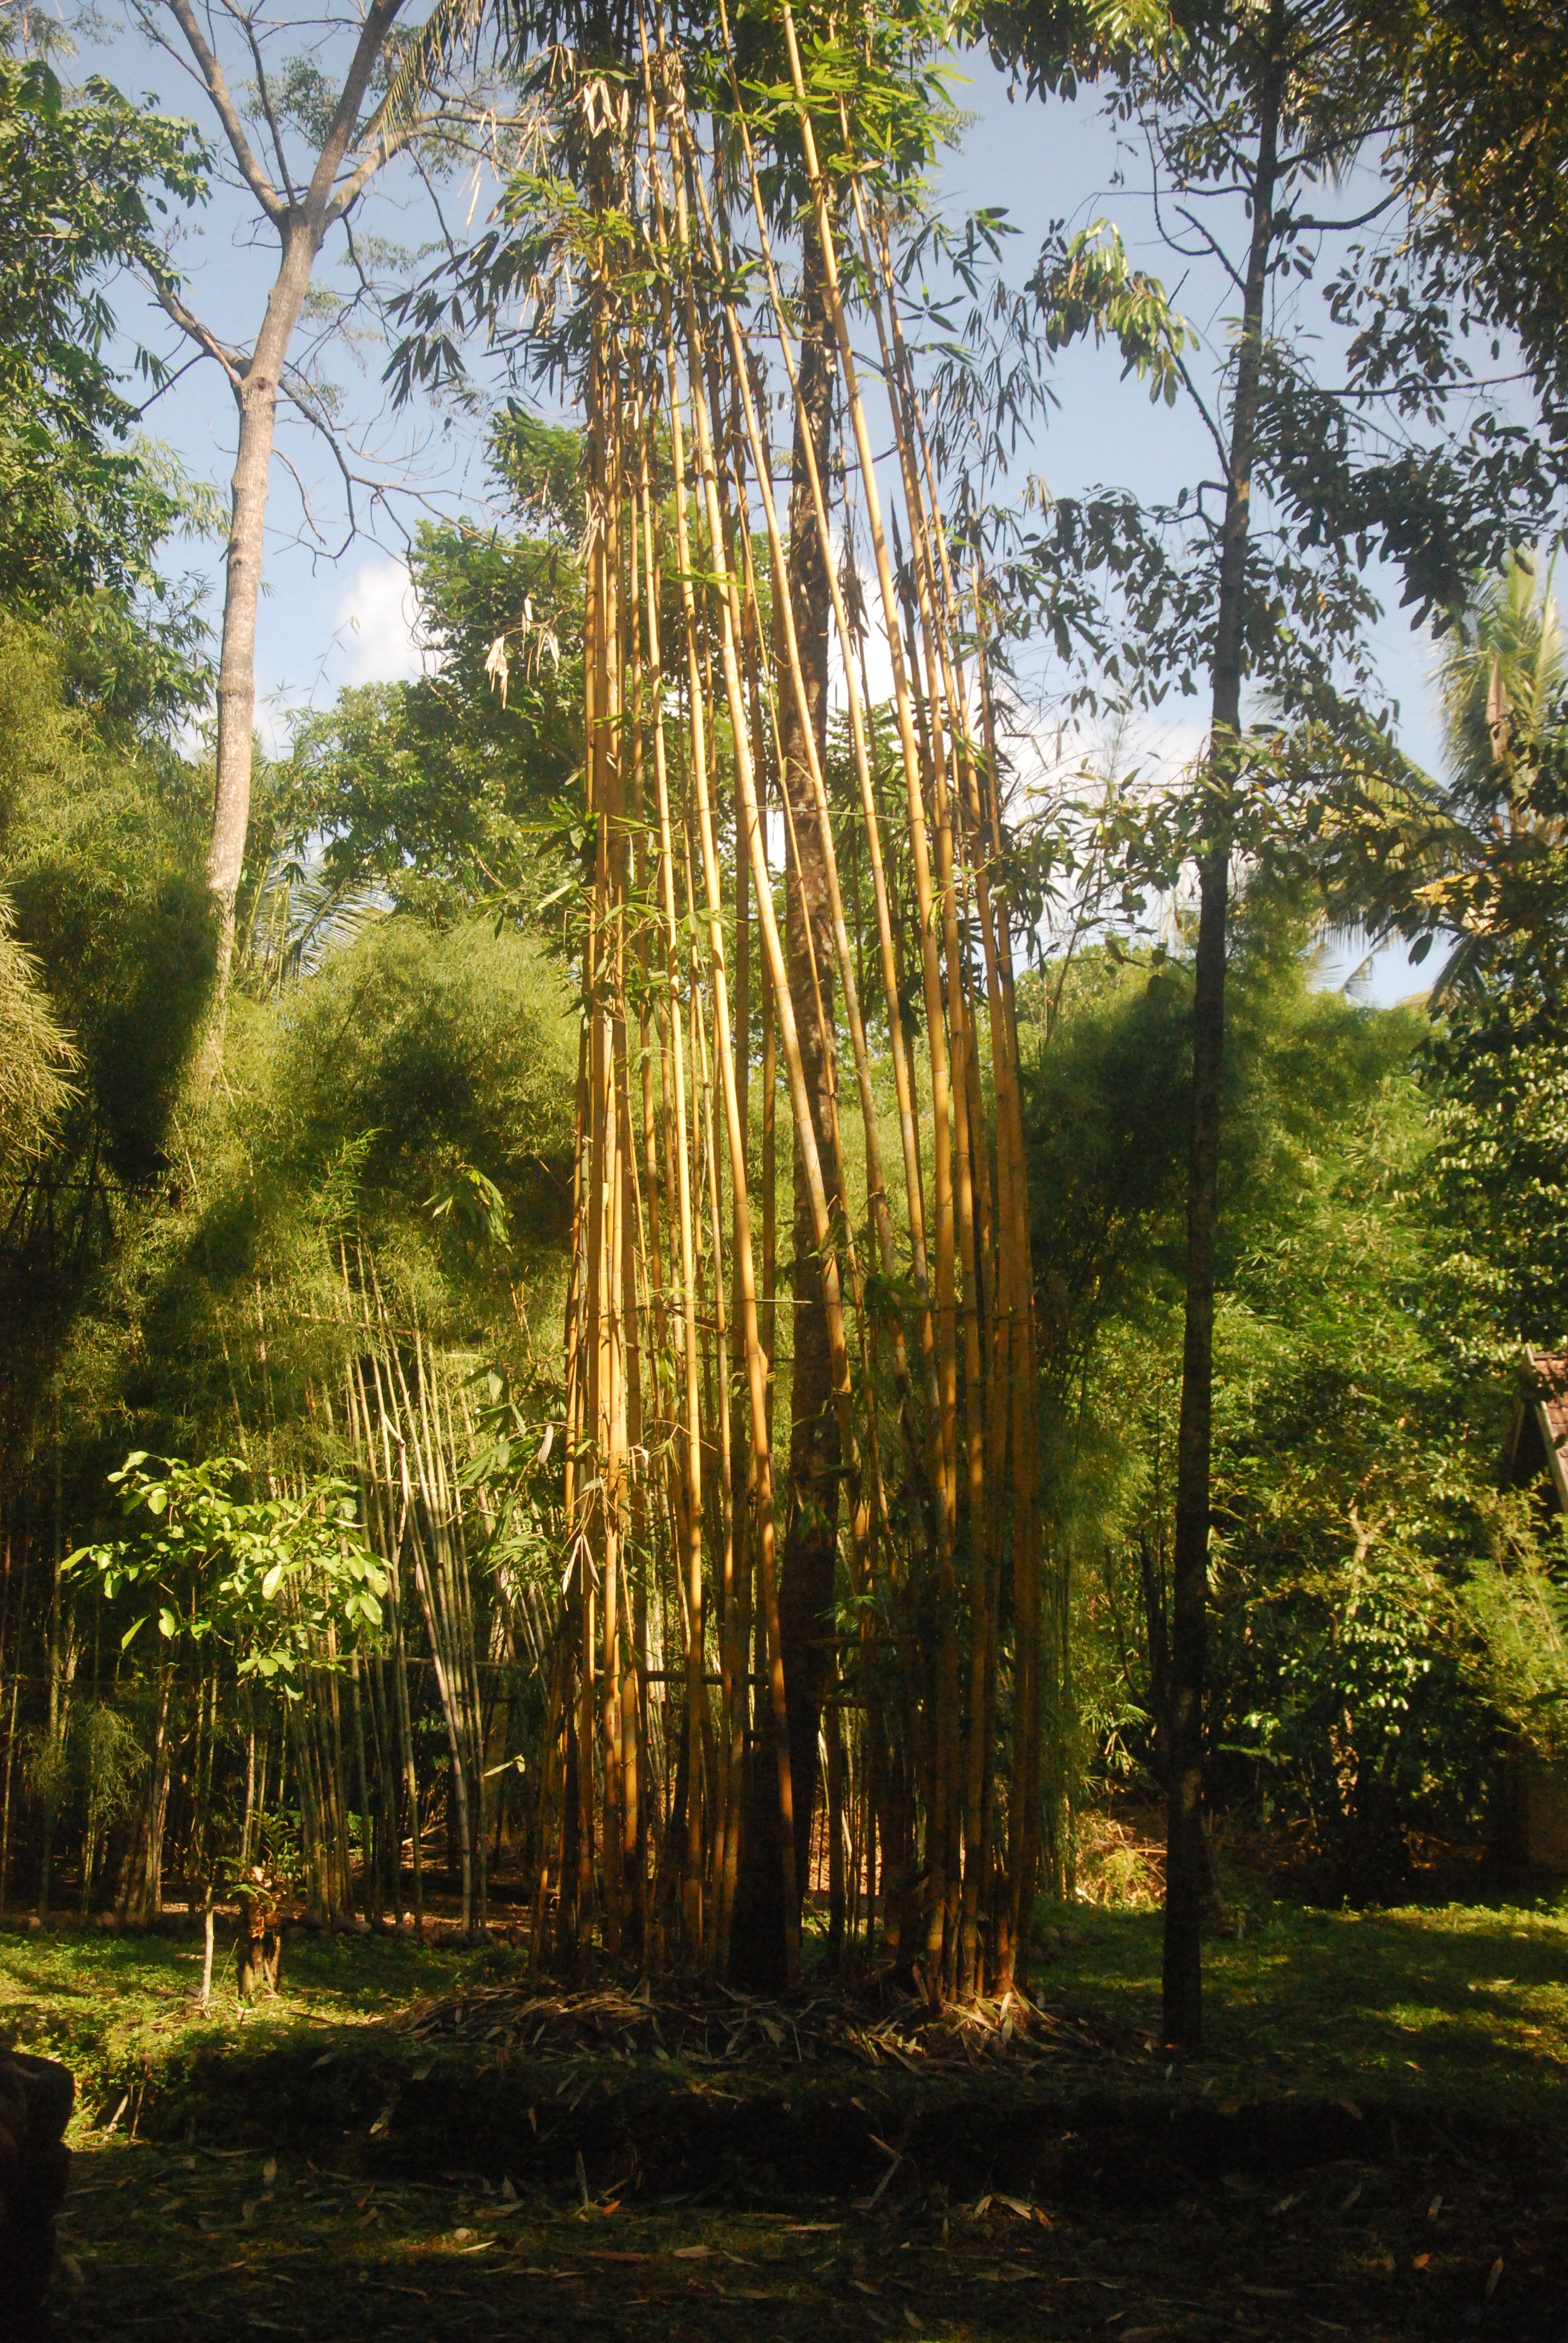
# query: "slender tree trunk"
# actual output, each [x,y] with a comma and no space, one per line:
[152,1888]
[811,1533]
[836,1885]
[369,1831]
[255,397]
[6,1794]
[301,218]
[1187,1873]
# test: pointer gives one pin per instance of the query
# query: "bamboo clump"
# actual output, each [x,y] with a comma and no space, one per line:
[704,751]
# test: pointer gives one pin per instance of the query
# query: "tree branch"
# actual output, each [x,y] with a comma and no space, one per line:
[205,341]
[168,383]
[217,89]
[302,398]
[387,144]
[1289,225]
[1196,396]
[1216,248]
[247,26]
[282,455]
[378,21]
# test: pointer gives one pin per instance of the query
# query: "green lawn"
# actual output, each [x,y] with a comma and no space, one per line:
[109,2005]
[1463,2001]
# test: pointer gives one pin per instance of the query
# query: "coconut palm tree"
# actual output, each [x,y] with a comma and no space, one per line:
[1502,668]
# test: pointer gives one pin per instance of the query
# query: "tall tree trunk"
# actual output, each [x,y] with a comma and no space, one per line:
[301,216]
[811,1533]
[255,397]
[1186,1867]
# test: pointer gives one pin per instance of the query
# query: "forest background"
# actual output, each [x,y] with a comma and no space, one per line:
[297,1238]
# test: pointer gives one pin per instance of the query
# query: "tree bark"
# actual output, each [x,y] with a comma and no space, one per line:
[1187,1872]
[255,396]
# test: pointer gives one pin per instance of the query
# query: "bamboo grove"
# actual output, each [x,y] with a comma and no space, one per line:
[806,1488]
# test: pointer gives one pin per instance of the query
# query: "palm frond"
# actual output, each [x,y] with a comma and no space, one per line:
[302,914]
[1502,669]
[451,29]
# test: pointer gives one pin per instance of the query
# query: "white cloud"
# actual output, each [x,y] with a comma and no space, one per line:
[376,624]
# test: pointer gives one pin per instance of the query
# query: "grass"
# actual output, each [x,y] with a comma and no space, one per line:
[1465,2003]
[109,2006]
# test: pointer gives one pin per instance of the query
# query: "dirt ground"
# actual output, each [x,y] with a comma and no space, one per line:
[1418,2244]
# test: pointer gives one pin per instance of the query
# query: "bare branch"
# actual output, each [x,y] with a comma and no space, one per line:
[206,342]
[153,31]
[1196,396]
[168,383]
[1213,243]
[305,507]
[391,143]
[375,157]
[217,89]
[248,25]
[305,403]
[1324,226]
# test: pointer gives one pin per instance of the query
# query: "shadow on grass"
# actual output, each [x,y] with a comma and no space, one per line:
[1458,2000]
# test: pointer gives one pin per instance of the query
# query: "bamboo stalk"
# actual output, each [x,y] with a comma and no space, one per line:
[756,1369]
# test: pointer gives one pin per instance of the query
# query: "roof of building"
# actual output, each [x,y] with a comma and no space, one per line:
[1539,1439]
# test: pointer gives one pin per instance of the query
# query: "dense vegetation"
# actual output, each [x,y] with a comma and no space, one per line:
[1027,1345]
